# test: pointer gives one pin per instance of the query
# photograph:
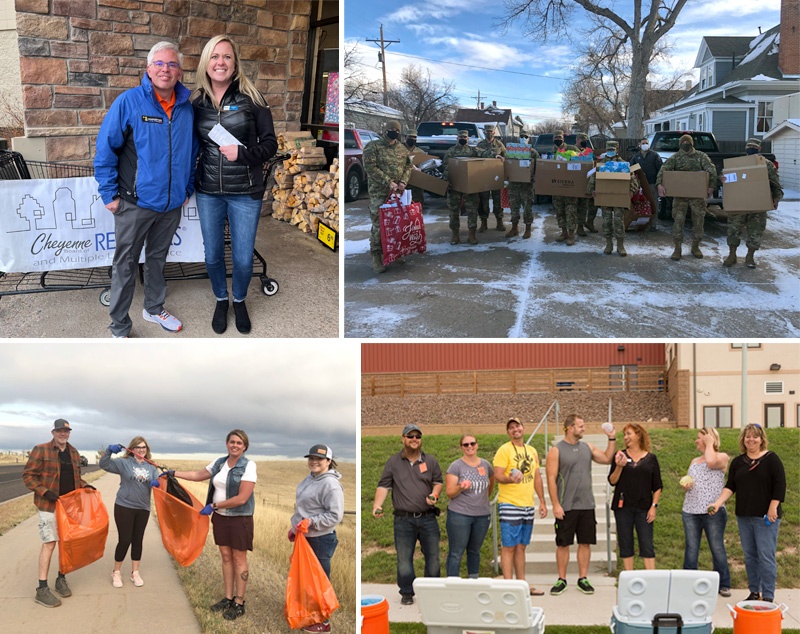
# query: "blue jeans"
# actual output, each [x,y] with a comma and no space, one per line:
[626,520]
[324,546]
[465,532]
[407,531]
[714,526]
[759,543]
[242,214]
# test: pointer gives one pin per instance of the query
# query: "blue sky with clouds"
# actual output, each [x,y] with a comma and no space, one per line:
[524,76]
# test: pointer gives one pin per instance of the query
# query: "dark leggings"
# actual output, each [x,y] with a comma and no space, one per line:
[130,526]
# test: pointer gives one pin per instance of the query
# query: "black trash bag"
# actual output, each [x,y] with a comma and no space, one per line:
[175,489]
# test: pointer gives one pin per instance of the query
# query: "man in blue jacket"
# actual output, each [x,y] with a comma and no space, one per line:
[144,167]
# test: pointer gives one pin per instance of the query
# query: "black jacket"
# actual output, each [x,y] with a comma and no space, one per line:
[650,161]
[252,125]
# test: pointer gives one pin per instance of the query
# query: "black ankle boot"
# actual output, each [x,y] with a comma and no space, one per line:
[242,318]
[219,322]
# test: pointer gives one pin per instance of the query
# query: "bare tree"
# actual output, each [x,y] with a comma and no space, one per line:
[12,119]
[420,98]
[356,83]
[546,126]
[543,19]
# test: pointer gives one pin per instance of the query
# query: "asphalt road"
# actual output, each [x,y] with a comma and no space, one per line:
[11,485]
[542,288]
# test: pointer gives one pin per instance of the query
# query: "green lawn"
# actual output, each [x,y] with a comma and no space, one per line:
[675,450]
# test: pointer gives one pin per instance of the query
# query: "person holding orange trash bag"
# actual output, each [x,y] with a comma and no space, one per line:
[231,503]
[53,469]
[319,508]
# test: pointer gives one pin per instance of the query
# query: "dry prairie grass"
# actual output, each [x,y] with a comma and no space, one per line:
[269,561]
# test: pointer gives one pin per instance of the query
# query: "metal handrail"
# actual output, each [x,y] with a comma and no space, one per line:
[493,502]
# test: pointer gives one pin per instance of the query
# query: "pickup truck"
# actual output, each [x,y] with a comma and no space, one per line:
[665,143]
[436,137]
[355,176]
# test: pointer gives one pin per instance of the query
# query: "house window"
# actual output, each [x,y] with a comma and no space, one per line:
[700,122]
[718,416]
[764,117]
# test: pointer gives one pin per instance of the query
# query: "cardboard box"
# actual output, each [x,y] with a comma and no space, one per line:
[474,175]
[428,183]
[746,190]
[613,189]
[562,178]
[686,184]
[743,161]
[420,157]
[518,171]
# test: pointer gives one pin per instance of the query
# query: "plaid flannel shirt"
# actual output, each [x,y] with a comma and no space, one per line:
[43,472]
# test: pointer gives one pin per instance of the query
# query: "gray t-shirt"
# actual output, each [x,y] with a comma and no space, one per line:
[134,480]
[474,500]
[575,476]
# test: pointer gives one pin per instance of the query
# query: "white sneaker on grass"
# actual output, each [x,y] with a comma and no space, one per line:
[164,319]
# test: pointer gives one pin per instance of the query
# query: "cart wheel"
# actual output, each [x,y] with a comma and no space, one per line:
[270,287]
[105,297]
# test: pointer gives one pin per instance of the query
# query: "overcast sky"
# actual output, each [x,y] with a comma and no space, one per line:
[183,397]
[508,68]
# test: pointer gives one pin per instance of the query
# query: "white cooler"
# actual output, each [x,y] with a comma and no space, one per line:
[450,605]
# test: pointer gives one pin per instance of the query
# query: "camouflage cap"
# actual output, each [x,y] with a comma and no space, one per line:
[410,132]
[753,142]
[686,138]
[490,128]
[614,144]
[558,133]
[463,134]
[582,135]
[394,125]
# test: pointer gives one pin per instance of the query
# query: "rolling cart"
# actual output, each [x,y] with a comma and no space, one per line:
[14,167]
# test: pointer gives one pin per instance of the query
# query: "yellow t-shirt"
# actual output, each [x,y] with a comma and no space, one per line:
[524,458]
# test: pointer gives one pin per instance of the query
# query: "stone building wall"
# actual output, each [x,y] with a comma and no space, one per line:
[76,56]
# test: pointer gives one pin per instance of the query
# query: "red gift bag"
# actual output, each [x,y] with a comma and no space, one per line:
[402,229]
[505,202]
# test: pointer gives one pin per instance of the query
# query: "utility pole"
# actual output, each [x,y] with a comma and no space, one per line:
[382,60]
[478,100]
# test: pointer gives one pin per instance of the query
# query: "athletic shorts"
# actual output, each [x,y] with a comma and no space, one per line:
[580,522]
[516,524]
[48,527]
[233,531]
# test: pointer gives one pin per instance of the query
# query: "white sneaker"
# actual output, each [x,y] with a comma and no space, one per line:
[116,579]
[137,580]
[165,320]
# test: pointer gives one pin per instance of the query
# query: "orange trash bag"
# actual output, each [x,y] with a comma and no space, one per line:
[309,594]
[183,529]
[82,529]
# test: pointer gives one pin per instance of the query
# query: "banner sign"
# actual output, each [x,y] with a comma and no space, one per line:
[61,223]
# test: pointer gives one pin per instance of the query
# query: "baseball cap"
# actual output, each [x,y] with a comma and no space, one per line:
[463,133]
[558,134]
[753,142]
[409,428]
[614,144]
[411,132]
[320,451]
[61,424]
[514,419]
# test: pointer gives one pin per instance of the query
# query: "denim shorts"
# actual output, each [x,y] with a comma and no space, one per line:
[48,527]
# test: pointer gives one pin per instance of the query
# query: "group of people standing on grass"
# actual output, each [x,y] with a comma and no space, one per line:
[414,477]
[54,469]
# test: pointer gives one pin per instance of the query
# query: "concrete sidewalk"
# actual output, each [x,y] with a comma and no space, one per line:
[95,606]
[575,608]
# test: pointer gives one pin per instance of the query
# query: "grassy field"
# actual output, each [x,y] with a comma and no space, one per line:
[675,450]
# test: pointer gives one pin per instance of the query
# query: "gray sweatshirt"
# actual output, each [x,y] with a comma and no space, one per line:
[321,500]
[134,480]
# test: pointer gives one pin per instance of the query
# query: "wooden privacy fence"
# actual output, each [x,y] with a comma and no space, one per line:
[622,379]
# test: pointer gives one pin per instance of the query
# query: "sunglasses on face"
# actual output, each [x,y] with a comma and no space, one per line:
[468,444]
[414,436]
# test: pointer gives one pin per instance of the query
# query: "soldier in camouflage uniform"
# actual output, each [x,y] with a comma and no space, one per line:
[566,207]
[417,194]
[687,159]
[613,217]
[521,195]
[755,223]
[587,210]
[491,148]
[388,168]
[454,198]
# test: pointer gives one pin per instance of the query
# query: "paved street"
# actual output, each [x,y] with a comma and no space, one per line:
[543,288]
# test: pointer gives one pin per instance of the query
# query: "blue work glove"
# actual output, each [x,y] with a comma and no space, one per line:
[170,472]
[115,448]
[207,510]
[155,484]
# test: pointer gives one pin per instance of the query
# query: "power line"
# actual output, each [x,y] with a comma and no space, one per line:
[496,70]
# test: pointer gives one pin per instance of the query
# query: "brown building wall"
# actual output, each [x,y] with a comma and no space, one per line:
[76,56]
[410,357]
[789,49]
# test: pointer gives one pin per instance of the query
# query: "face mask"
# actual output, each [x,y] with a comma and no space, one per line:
[584,144]
[751,150]
[392,134]
[645,147]
[462,141]
[411,142]
[558,142]
[611,153]
[686,147]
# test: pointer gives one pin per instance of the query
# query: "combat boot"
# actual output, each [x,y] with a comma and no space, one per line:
[621,247]
[570,238]
[500,226]
[472,239]
[483,226]
[563,235]
[527,233]
[377,263]
[748,259]
[581,232]
[455,239]
[514,231]
[676,254]
[609,246]
[731,259]
[696,252]
[589,224]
